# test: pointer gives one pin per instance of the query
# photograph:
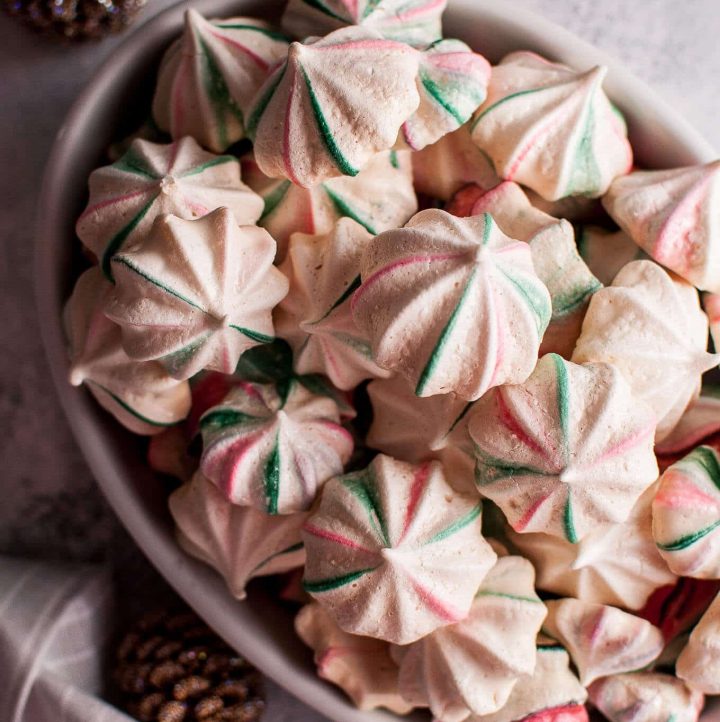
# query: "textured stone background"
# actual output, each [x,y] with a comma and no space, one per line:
[50,506]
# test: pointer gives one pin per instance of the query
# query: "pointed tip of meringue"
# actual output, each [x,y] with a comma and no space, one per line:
[76,375]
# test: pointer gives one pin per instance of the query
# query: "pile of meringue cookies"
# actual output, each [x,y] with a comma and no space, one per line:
[474,438]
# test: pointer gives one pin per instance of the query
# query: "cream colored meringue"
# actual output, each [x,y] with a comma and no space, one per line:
[334,103]
[380,197]
[315,317]
[606,253]
[686,515]
[139,394]
[699,662]
[647,696]
[238,541]
[472,667]
[673,216]
[361,666]
[650,325]
[552,128]
[196,294]
[393,552]
[567,451]
[208,77]
[452,304]
[151,179]
[617,564]
[417,22]
[273,447]
[602,640]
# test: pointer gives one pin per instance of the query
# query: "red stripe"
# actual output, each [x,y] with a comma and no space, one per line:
[514,425]
[440,609]
[243,49]
[112,201]
[336,538]
[419,485]
[522,524]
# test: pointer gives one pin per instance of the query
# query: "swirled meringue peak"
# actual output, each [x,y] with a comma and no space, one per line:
[416,22]
[452,304]
[315,318]
[471,667]
[393,552]
[380,197]
[647,696]
[601,639]
[139,394]
[209,76]
[567,451]
[238,541]
[361,666]
[673,216]
[334,103]
[606,252]
[273,447]
[196,294]
[452,84]
[650,325]
[552,128]
[686,515]
[617,564]
[699,662]
[154,178]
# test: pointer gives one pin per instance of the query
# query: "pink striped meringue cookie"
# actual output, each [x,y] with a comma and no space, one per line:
[238,541]
[452,84]
[699,662]
[672,216]
[139,394]
[565,452]
[152,179]
[393,552]
[315,317]
[273,447]
[416,22]
[438,298]
[686,515]
[361,666]
[196,294]
[647,697]
[650,325]
[380,197]
[552,128]
[606,252]
[601,639]
[334,104]
[208,77]
[471,668]
[700,420]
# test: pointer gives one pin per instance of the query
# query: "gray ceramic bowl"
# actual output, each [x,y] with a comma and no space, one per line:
[116,101]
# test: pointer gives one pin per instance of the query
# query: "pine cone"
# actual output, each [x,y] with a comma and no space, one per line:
[173,668]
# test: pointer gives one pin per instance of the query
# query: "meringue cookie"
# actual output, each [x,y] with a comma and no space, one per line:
[361,666]
[315,317]
[471,667]
[416,22]
[208,77]
[646,697]
[452,84]
[565,452]
[393,552]
[617,564]
[671,214]
[151,179]
[602,640]
[686,515]
[699,662]
[380,197]
[140,395]
[332,105]
[606,253]
[196,294]
[238,541]
[273,447]
[700,420]
[650,325]
[552,128]
[439,297]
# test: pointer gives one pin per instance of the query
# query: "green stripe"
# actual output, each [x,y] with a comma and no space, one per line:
[341,162]
[328,585]
[261,107]
[344,297]
[456,526]
[462,415]
[564,304]
[435,92]
[370,8]
[252,335]
[442,341]
[568,521]
[220,418]
[707,460]
[362,486]
[550,648]
[220,160]
[294,548]
[537,302]
[133,163]
[687,541]
[273,34]
[585,177]
[504,595]
[325,10]
[129,409]
[345,209]
[273,199]
[505,100]
[394,160]
[487,229]
[490,469]
[271,478]
[563,403]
